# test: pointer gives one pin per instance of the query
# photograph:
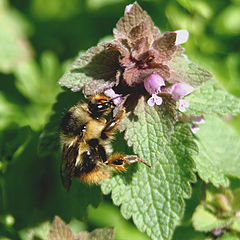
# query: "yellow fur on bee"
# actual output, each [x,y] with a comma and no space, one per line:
[95,176]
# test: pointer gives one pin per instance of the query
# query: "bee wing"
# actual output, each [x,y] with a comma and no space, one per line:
[69,156]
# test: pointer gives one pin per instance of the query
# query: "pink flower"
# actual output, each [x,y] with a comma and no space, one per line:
[217,232]
[117,99]
[182,36]
[238,214]
[153,85]
[154,99]
[195,128]
[183,104]
[128,8]
[197,120]
[179,90]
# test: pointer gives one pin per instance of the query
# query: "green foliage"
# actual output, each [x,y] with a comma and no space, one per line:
[230,236]
[14,46]
[192,73]
[149,194]
[112,217]
[218,159]
[211,99]
[218,212]
[93,69]
[200,223]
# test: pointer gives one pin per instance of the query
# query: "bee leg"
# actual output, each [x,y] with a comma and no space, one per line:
[112,125]
[119,161]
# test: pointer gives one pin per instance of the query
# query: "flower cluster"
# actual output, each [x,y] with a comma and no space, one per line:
[145,54]
[154,84]
[139,61]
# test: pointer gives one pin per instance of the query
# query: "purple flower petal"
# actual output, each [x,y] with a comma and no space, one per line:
[198,119]
[151,102]
[195,128]
[154,100]
[158,100]
[128,8]
[217,232]
[238,214]
[179,90]
[183,104]
[153,83]
[110,93]
[182,36]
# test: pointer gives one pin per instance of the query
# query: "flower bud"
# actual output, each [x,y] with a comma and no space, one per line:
[194,128]
[182,36]
[179,90]
[128,8]
[153,83]
[198,119]
[183,104]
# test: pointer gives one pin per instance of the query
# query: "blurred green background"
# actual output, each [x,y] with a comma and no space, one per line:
[38,41]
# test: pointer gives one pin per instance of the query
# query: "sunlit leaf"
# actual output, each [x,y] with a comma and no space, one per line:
[154,197]
[97,67]
[211,99]
[184,70]
[14,46]
[204,220]
[219,155]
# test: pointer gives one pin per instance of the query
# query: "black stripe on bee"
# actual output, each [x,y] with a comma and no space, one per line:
[70,124]
[87,165]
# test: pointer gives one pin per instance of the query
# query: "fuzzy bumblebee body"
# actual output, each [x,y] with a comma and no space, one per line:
[86,142]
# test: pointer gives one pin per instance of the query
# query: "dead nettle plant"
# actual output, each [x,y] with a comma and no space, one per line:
[166,96]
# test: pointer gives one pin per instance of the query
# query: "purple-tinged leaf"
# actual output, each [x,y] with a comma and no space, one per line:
[94,71]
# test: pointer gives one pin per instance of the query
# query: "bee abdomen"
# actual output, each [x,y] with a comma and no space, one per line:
[87,165]
[70,124]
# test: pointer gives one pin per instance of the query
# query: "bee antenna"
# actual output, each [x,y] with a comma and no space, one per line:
[140,160]
[111,99]
[115,97]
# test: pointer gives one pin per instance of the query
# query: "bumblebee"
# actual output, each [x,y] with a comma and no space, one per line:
[86,142]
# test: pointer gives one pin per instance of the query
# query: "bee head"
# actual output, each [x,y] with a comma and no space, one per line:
[100,105]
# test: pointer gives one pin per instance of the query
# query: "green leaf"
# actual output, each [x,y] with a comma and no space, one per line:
[211,99]
[123,229]
[154,197]
[226,21]
[12,143]
[204,220]
[96,68]
[39,82]
[14,46]
[38,232]
[184,70]
[236,224]
[219,154]
[230,236]
[97,5]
